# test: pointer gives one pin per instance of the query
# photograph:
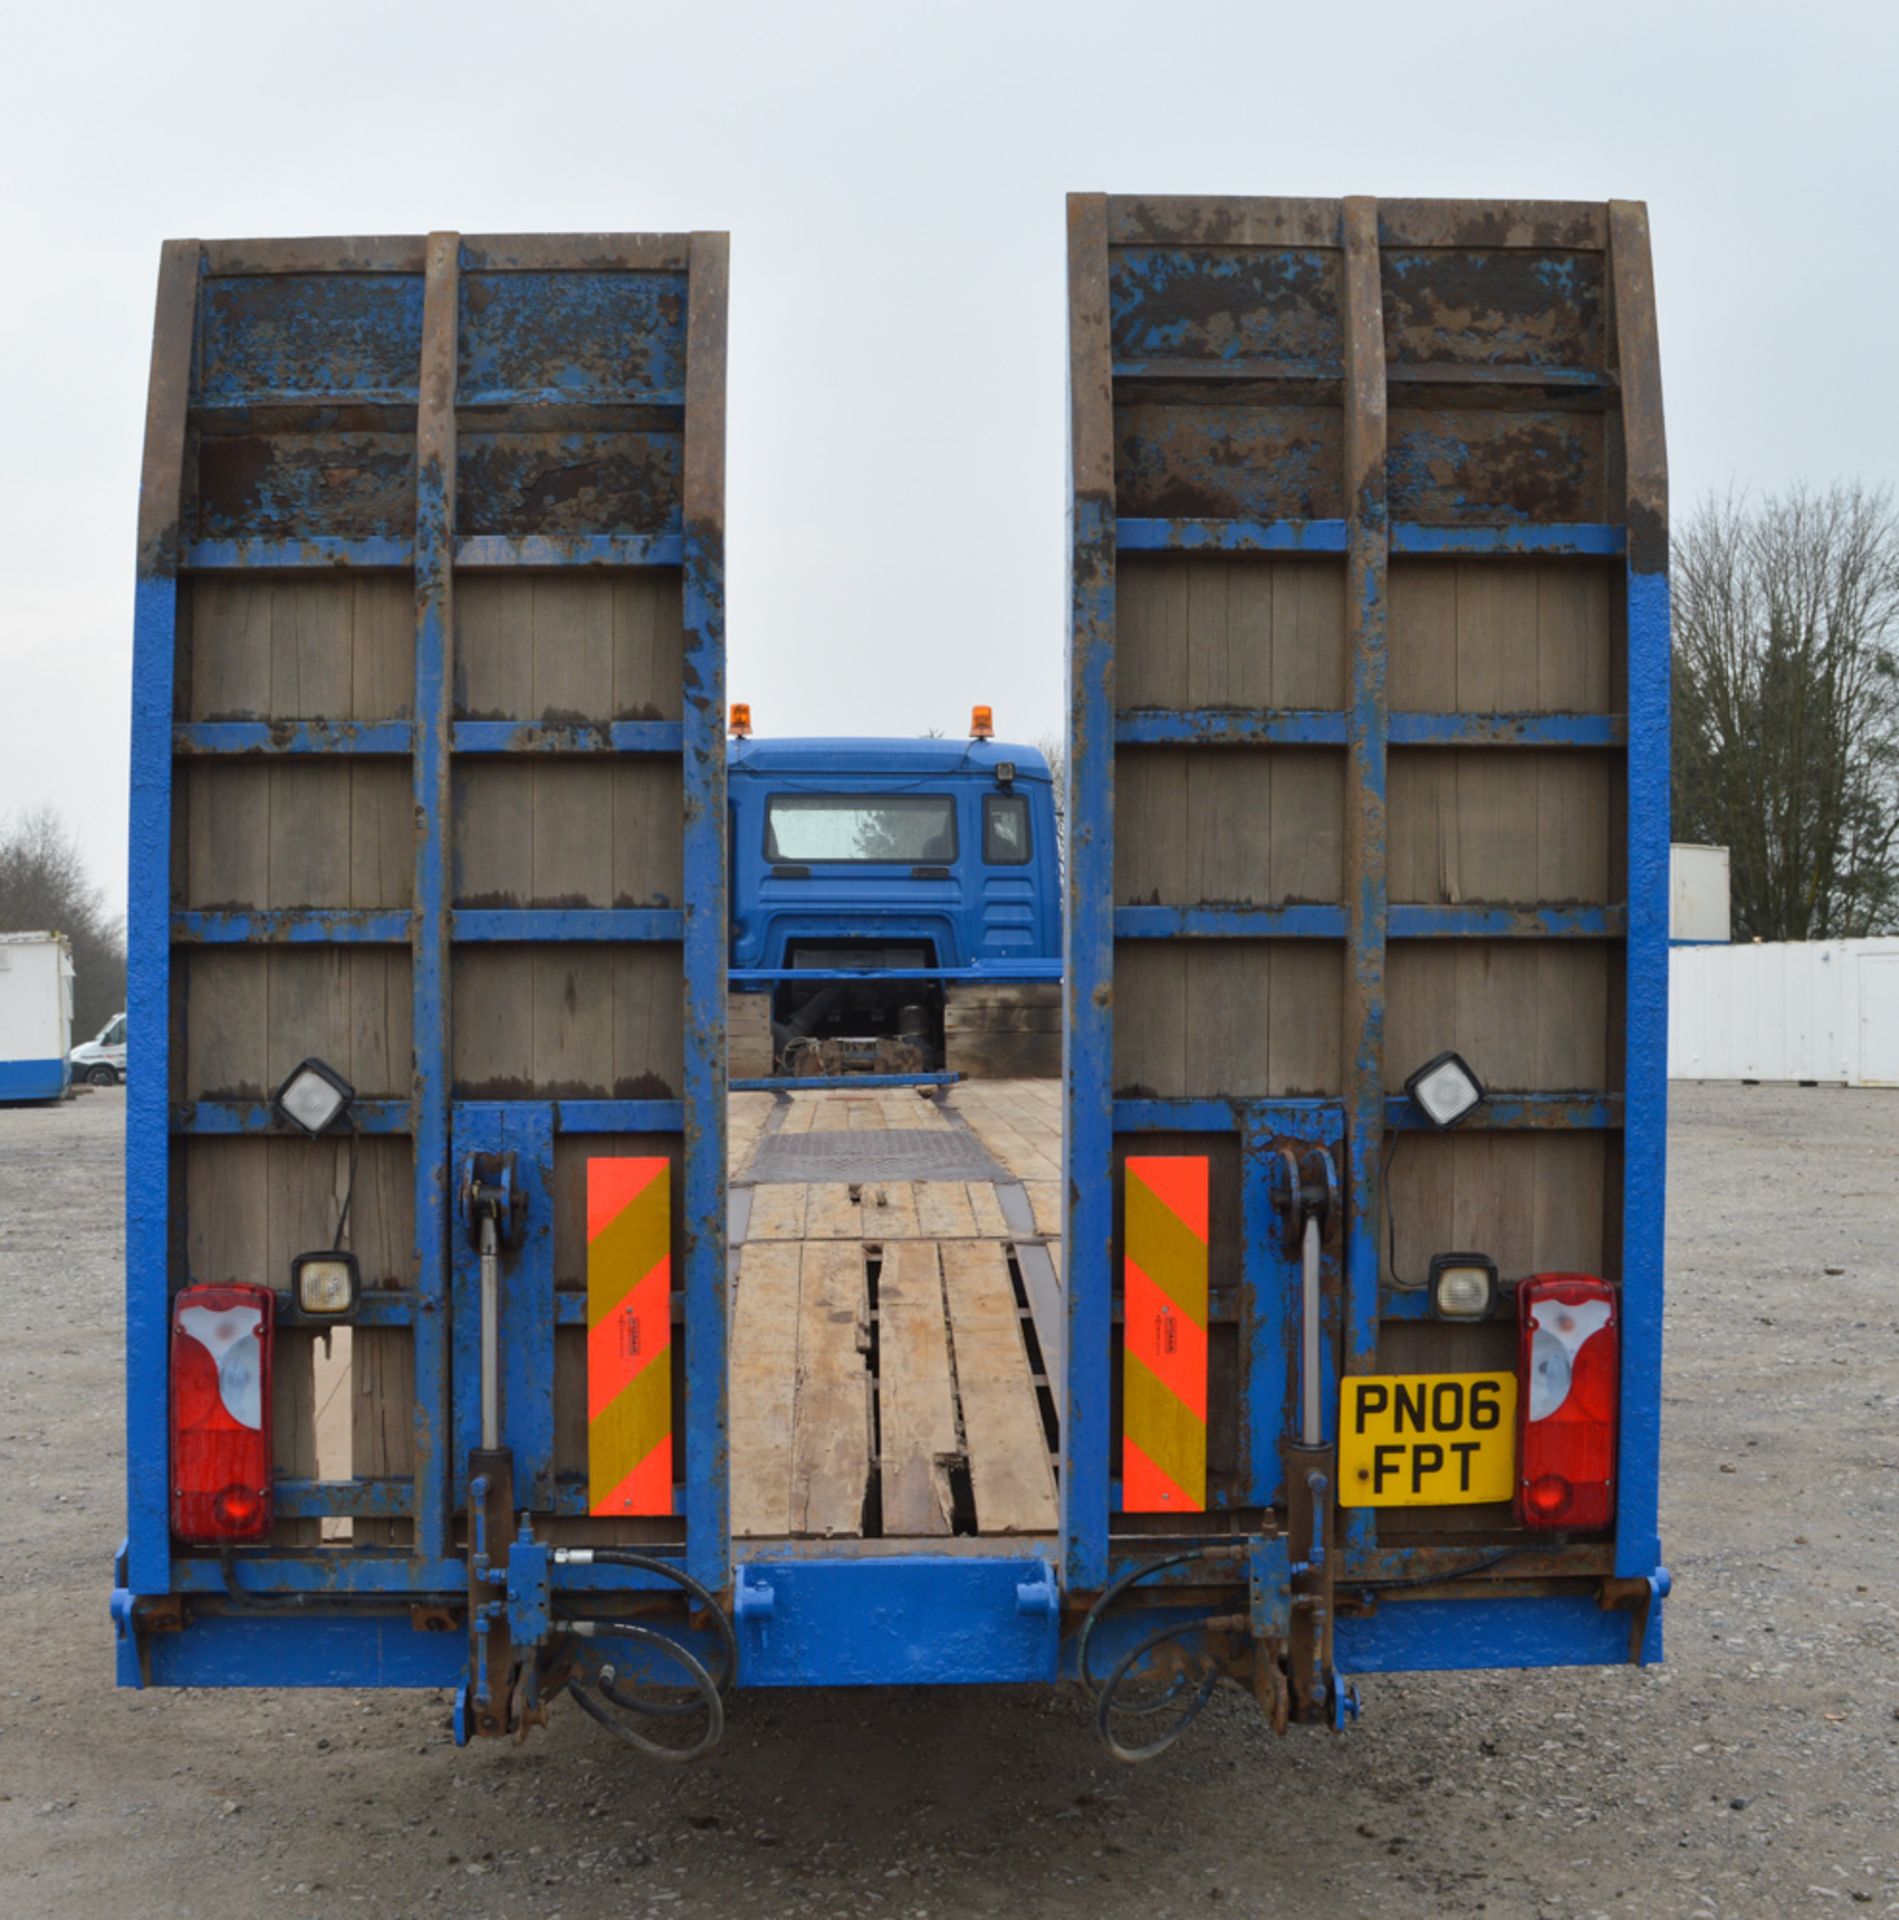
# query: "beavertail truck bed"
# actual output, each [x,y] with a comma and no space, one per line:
[1316,1334]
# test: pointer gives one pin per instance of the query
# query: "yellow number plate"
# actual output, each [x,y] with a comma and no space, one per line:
[1427,1439]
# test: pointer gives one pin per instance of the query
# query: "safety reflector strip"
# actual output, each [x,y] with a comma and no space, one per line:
[1164,1368]
[629,1336]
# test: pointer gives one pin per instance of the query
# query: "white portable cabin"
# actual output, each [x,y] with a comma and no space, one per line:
[1819,1010]
[36,1015]
[1698,894]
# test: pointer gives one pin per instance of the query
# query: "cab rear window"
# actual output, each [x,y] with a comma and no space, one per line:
[1005,829]
[908,829]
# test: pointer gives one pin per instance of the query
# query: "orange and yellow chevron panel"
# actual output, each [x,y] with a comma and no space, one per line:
[629,1337]
[1164,1368]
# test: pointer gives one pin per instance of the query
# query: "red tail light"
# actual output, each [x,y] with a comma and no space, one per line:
[220,1413]
[1568,1342]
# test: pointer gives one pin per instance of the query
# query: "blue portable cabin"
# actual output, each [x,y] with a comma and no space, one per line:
[913,878]
[36,1016]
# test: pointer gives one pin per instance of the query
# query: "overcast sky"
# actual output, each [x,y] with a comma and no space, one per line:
[892,177]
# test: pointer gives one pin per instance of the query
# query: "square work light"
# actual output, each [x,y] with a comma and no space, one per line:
[324,1285]
[1463,1286]
[1445,1090]
[313,1098]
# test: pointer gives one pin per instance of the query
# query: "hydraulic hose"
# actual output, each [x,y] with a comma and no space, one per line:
[1116,1588]
[1105,1707]
[1105,1692]
[670,1649]
[709,1686]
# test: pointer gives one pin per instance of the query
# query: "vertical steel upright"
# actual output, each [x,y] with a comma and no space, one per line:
[1088,938]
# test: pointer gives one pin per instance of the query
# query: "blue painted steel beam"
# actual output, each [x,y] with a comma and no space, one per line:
[296,1650]
[312,551]
[1262,726]
[1318,1120]
[288,926]
[148,1157]
[1242,369]
[1507,923]
[436,461]
[259,1117]
[323,551]
[619,1116]
[1367,888]
[570,550]
[1520,1112]
[306,1648]
[1570,538]
[1191,535]
[900,1620]
[620,924]
[385,1573]
[1449,1636]
[537,736]
[1227,726]
[1229,536]
[1508,730]
[707,867]
[652,398]
[1230,923]
[396,1116]
[816,1083]
[1016,973]
[1645,1070]
[267,737]
[1239,368]
[1088,922]
[366,1499]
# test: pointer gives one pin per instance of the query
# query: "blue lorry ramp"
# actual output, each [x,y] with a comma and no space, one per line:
[1367,915]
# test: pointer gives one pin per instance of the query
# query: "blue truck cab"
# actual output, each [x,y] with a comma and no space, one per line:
[907,876]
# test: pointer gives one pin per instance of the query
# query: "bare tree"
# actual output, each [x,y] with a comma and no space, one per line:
[44,888]
[1786,706]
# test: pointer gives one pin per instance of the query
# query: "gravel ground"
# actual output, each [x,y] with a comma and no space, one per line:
[1754,1774]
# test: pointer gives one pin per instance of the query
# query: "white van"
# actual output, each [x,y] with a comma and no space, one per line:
[101,1062]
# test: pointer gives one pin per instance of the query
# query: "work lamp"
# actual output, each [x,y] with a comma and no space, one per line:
[1445,1090]
[325,1284]
[1463,1286]
[313,1098]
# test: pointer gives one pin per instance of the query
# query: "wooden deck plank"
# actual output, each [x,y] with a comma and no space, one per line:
[778,1213]
[881,1210]
[1045,1196]
[1009,1465]
[916,1396]
[763,1375]
[831,1432]
[943,1210]
[991,1224]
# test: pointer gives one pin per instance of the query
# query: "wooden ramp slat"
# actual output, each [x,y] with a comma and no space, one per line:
[916,1398]
[830,1472]
[943,1210]
[762,1369]
[1009,1466]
